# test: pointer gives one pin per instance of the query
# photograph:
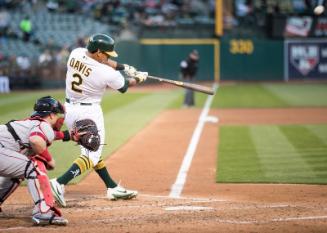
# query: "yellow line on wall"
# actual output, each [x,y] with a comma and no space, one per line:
[214,42]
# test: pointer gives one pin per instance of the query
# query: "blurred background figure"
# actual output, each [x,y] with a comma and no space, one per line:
[4,83]
[4,22]
[189,68]
[24,66]
[25,26]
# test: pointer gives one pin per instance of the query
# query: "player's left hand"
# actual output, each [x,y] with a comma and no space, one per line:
[129,70]
[75,135]
[140,76]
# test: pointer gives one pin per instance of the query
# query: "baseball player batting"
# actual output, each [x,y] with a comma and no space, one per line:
[24,155]
[88,75]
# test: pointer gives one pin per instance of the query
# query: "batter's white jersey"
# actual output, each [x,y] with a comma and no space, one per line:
[86,82]
[87,79]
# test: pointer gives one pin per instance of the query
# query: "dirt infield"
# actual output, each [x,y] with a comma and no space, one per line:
[150,162]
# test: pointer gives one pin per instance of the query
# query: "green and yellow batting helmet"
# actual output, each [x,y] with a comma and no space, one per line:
[102,42]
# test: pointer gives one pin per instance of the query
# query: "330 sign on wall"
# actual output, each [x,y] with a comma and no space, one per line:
[240,46]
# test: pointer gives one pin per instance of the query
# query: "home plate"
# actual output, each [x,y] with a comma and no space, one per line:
[190,208]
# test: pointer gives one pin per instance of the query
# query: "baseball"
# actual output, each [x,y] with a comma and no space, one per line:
[319,10]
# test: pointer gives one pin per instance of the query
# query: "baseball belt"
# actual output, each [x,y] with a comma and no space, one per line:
[68,101]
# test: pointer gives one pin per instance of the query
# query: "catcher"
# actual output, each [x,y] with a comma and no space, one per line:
[24,155]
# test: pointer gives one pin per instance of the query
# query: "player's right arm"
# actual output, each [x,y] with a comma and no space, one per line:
[39,147]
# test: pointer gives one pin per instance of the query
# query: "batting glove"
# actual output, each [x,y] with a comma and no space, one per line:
[140,76]
[129,70]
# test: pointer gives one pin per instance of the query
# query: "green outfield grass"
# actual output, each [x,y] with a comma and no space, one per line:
[272,153]
[269,95]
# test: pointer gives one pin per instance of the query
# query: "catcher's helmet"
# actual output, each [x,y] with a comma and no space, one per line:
[47,105]
[102,42]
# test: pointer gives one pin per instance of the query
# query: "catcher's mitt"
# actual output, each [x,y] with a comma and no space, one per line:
[86,133]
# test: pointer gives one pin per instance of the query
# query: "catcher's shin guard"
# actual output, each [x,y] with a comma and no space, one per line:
[40,189]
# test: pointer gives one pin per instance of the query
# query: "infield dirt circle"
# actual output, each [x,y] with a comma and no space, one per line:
[149,162]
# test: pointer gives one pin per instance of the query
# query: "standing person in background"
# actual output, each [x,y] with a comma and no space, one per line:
[26,27]
[4,83]
[89,73]
[189,68]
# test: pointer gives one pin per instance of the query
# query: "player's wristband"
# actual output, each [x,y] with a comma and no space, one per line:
[62,135]
[120,66]
[66,136]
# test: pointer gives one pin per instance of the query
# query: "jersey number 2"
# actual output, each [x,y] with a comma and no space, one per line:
[76,83]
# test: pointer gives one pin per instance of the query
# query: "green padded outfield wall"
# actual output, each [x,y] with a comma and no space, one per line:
[161,57]
[251,59]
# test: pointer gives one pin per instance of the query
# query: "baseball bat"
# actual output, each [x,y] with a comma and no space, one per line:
[191,86]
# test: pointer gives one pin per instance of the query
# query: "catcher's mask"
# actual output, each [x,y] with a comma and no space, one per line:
[102,42]
[47,105]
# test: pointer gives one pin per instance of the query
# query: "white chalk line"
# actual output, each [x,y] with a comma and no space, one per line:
[178,186]
[14,228]
[299,218]
[163,205]
[228,221]
[187,208]
[289,219]
[194,199]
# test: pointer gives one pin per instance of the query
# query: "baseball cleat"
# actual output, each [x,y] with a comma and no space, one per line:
[58,191]
[120,193]
[50,218]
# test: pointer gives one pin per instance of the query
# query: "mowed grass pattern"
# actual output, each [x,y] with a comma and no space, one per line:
[272,153]
[270,95]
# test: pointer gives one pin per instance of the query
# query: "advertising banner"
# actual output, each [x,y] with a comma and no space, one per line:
[319,29]
[299,27]
[305,59]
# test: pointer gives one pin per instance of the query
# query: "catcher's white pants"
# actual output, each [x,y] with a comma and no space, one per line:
[75,112]
[14,167]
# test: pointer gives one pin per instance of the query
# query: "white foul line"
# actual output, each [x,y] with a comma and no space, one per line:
[177,187]
[299,218]
[14,228]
